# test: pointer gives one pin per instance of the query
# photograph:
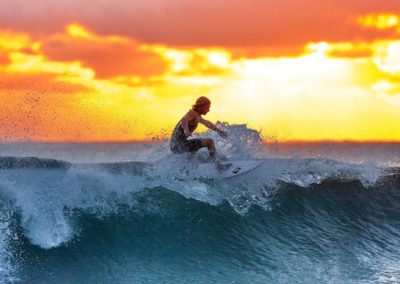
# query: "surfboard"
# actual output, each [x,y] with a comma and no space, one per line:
[237,168]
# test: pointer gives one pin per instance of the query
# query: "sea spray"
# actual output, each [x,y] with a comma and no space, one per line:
[8,271]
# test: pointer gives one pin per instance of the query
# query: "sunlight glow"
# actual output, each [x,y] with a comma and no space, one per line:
[379,21]
[179,60]
[388,57]
[332,91]
[79,31]
[76,30]
[38,64]
[11,41]
[218,58]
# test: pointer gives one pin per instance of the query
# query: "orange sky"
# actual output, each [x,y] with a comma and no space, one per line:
[294,69]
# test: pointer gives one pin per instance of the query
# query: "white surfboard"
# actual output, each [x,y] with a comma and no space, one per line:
[209,171]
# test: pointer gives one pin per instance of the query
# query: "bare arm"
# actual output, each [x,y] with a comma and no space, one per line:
[212,126]
[185,125]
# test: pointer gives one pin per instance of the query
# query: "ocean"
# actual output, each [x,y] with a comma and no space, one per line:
[126,213]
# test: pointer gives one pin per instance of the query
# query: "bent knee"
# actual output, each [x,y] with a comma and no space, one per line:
[207,142]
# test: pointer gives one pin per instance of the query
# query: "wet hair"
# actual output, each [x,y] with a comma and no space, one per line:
[202,101]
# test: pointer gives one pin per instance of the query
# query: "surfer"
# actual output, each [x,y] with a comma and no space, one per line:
[183,130]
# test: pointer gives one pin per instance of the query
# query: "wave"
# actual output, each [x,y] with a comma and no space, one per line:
[291,218]
[9,163]
[42,190]
[102,226]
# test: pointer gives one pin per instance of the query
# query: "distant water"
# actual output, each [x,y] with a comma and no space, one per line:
[106,213]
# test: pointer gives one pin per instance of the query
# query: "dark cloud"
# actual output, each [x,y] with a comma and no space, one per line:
[205,23]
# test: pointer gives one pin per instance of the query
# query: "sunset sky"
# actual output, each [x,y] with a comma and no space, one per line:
[123,70]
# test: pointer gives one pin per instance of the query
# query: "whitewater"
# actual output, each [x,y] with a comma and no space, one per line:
[127,213]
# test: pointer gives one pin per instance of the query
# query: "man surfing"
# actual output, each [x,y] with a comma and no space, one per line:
[183,130]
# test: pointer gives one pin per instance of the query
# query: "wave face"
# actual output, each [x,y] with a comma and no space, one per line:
[292,220]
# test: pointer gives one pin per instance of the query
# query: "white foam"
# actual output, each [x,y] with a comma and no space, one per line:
[8,272]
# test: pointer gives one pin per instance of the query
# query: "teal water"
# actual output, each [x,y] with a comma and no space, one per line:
[78,223]
[126,213]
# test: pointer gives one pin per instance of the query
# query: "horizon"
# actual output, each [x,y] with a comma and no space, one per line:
[267,142]
[100,152]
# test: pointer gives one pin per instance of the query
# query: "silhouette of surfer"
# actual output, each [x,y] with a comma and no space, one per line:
[183,130]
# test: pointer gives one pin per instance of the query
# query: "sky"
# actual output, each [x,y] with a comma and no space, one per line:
[122,70]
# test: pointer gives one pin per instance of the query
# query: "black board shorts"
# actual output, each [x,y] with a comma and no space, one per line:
[185,145]
[180,144]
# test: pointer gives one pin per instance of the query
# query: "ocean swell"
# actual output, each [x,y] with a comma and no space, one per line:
[43,192]
[90,219]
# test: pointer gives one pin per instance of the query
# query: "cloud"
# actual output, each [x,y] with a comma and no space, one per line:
[195,61]
[349,50]
[352,53]
[39,83]
[234,23]
[4,60]
[108,56]
[380,21]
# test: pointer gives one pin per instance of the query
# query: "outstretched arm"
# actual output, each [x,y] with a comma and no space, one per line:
[212,126]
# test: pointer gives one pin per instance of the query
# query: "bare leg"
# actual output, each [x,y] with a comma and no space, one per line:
[209,143]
